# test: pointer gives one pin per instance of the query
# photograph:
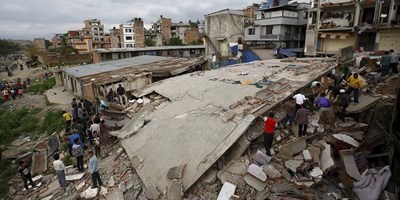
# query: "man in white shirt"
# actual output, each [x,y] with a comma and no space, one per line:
[60,170]
[300,98]
[394,61]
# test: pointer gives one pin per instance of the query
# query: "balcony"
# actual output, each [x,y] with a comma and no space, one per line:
[270,37]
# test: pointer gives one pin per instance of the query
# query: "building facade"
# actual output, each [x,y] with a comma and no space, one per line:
[40,44]
[221,28]
[277,24]
[367,25]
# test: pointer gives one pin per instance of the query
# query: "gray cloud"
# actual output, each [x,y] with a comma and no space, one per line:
[27,19]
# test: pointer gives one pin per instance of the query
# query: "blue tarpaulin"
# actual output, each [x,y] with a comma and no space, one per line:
[248,55]
[266,4]
[287,53]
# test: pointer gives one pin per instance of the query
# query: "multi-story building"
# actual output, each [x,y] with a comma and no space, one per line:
[115,38]
[368,25]
[95,29]
[250,12]
[279,23]
[221,28]
[57,40]
[178,30]
[128,35]
[162,28]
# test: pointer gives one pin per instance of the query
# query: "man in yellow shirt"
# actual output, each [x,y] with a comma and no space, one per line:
[68,119]
[354,86]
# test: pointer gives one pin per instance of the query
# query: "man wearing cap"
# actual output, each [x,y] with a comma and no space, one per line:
[354,86]
[324,106]
[344,101]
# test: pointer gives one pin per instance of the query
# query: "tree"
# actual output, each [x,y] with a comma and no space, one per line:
[175,41]
[8,47]
[149,42]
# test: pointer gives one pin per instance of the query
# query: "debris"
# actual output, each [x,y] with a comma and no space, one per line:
[255,183]
[286,174]
[152,192]
[326,157]
[111,182]
[307,155]
[103,191]
[257,172]
[347,139]
[115,195]
[39,162]
[293,165]
[261,158]
[176,172]
[350,164]
[227,191]
[372,183]
[89,193]
[315,153]
[48,197]
[80,185]
[316,172]
[53,144]
[74,177]
[175,190]
[295,146]
[210,176]
[271,172]
[233,172]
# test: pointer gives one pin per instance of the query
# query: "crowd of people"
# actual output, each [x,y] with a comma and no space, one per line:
[321,101]
[13,89]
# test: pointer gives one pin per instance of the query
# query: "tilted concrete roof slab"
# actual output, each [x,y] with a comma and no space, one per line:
[194,128]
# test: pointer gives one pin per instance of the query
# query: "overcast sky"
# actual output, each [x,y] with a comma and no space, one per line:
[27,19]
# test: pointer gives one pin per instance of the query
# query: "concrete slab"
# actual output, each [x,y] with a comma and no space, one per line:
[39,162]
[176,172]
[74,177]
[271,172]
[257,172]
[326,159]
[261,158]
[227,191]
[293,165]
[175,190]
[365,102]
[197,127]
[115,195]
[255,183]
[58,95]
[347,139]
[295,146]
[53,144]
[350,164]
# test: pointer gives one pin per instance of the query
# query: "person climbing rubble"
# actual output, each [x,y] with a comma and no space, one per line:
[344,101]
[354,86]
[26,176]
[270,124]
[324,108]
[302,119]
[290,111]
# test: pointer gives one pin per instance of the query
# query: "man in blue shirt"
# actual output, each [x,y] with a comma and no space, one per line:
[324,111]
[93,168]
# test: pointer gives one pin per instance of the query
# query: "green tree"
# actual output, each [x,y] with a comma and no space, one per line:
[31,50]
[175,41]
[8,47]
[149,42]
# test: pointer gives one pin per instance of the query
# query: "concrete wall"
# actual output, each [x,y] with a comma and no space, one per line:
[227,26]
[388,39]
[333,45]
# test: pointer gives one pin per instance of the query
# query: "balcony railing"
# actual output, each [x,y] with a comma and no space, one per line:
[269,37]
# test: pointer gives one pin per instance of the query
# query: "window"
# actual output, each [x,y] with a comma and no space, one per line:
[129,45]
[95,29]
[101,29]
[128,30]
[95,34]
[268,30]
[305,14]
[251,31]
[128,38]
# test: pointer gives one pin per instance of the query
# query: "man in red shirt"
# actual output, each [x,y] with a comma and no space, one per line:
[269,130]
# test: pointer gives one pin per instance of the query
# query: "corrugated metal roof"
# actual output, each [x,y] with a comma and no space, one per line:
[96,68]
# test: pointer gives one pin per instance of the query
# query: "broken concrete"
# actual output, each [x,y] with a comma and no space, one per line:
[74,177]
[227,191]
[176,172]
[347,139]
[350,164]
[210,176]
[255,183]
[316,172]
[295,146]
[175,190]
[233,172]
[152,192]
[261,158]
[115,195]
[271,172]
[293,165]
[89,193]
[326,157]
[365,102]
[257,172]
[39,162]
[53,144]
[307,155]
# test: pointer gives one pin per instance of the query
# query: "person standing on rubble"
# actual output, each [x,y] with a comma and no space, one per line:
[26,175]
[270,124]
[385,62]
[290,110]
[96,141]
[394,61]
[324,108]
[78,152]
[354,86]
[302,119]
[60,170]
[93,168]
[68,119]
[121,94]
[344,101]
[300,98]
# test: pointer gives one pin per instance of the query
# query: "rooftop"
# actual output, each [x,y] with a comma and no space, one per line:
[207,113]
[149,48]
[97,68]
[225,11]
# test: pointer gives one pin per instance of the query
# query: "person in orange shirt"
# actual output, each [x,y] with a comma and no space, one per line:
[354,86]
